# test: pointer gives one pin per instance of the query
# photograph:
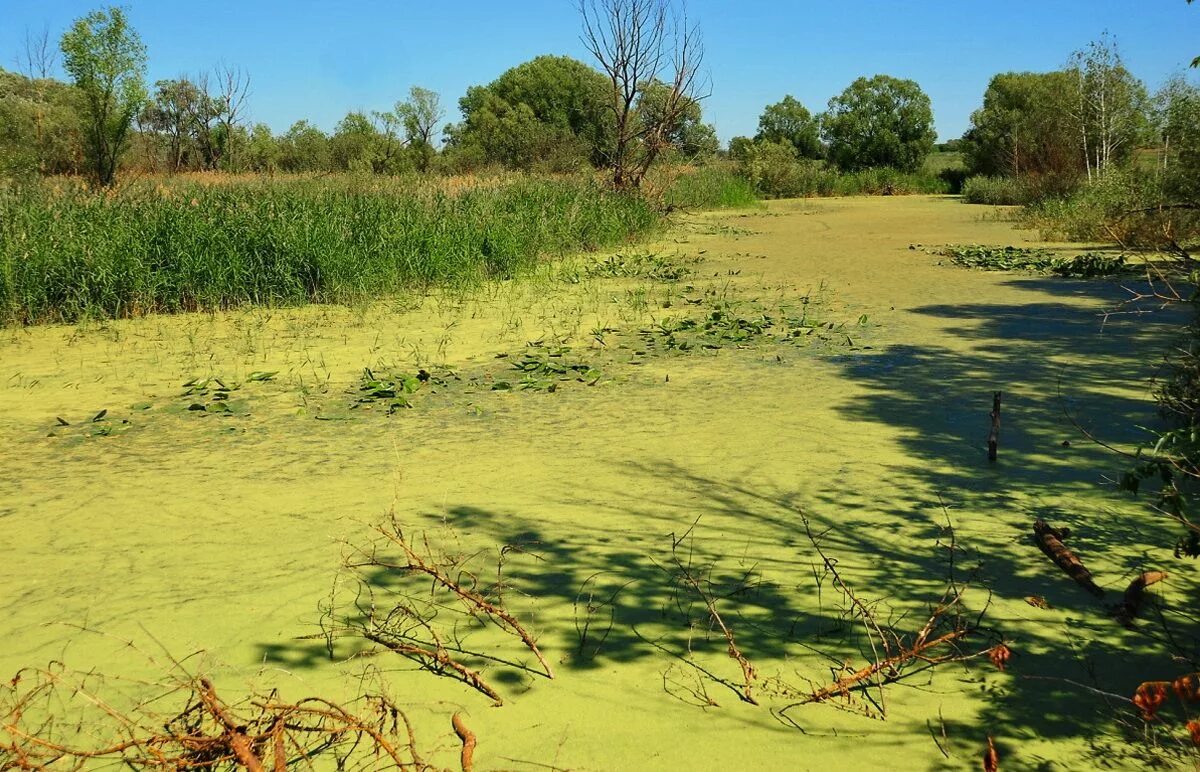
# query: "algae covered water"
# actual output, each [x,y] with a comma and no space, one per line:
[615,448]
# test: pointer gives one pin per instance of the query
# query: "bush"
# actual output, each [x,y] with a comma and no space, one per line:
[885,181]
[1117,206]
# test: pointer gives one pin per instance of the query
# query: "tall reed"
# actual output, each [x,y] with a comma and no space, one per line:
[67,253]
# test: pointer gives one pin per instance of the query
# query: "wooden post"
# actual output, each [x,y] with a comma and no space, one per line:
[994,435]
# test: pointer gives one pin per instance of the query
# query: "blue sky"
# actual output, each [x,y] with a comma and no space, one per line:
[319,60]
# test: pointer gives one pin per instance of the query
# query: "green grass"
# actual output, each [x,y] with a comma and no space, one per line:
[717,186]
[67,254]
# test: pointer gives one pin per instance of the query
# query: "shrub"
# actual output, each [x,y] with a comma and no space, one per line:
[1120,205]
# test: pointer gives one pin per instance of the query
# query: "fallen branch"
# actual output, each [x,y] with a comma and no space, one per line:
[437,660]
[1050,540]
[749,674]
[1135,595]
[467,758]
[418,563]
[46,714]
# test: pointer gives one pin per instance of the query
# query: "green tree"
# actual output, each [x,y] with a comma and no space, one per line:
[1178,122]
[356,145]
[304,148]
[262,149]
[1023,128]
[547,109]
[107,62]
[879,121]
[39,126]
[169,116]
[1110,107]
[683,129]
[790,121]
[740,148]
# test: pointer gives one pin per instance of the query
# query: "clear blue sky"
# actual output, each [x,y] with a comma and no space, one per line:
[319,60]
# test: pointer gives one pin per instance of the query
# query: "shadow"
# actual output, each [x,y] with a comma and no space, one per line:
[603,592]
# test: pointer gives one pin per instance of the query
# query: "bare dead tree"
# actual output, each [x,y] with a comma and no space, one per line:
[640,44]
[233,91]
[37,61]
[38,56]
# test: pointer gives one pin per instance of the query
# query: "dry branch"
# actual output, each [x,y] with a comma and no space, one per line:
[415,562]
[692,581]
[1050,540]
[438,660]
[47,717]
[468,742]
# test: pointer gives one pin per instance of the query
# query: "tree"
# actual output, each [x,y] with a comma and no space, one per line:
[790,121]
[639,43]
[685,131]
[1022,128]
[740,149]
[39,126]
[879,121]
[107,62]
[1178,122]
[356,145]
[1109,106]
[548,109]
[304,148]
[418,119]
[262,149]
[169,117]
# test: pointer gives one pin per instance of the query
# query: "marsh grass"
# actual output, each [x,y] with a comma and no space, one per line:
[716,186]
[67,253]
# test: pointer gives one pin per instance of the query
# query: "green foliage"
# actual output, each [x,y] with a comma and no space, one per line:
[790,121]
[40,131]
[107,62]
[1110,106]
[1178,119]
[1024,127]
[548,112]
[1084,266]
[877,122]
[713,186]
[995,191]
[687,134]
[304,148]
[775,171]
[641,265]
[68,254]
[1121,204]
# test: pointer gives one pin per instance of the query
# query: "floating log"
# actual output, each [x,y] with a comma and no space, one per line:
[1135,595]
[1050,539]
[994,434]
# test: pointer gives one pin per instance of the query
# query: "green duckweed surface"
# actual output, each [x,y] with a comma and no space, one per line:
[221,530]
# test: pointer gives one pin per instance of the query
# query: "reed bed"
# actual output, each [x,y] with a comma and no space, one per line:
[68,253]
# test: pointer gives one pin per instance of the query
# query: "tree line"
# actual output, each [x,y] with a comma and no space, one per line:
[552,114]
[558,114]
